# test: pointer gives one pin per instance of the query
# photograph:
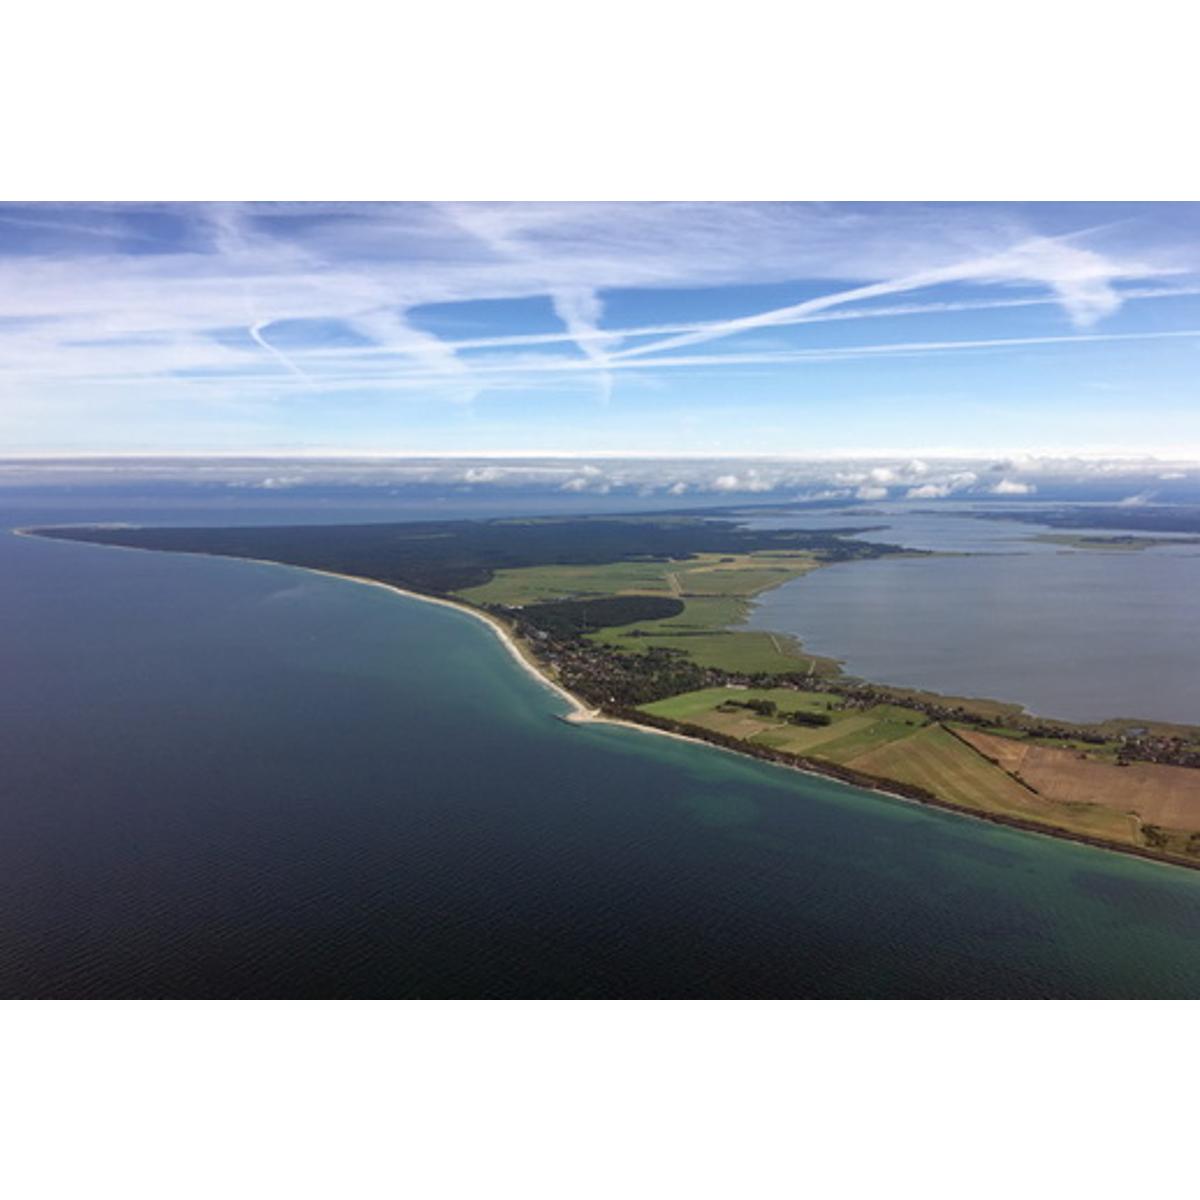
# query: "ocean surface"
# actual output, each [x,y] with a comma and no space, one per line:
[1078,634]
[223,779]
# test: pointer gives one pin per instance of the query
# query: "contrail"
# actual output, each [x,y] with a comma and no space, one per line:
[578,308]
[855,314]
[231,240]
[579,311]
[1098,295]
[758,358]
[256,333]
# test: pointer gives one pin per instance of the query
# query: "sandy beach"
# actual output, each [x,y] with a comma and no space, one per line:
[579,711]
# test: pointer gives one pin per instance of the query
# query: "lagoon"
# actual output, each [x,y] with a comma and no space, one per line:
[1082,635]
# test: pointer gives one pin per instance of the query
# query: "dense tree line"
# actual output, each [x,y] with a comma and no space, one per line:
[437,557]
[564,618]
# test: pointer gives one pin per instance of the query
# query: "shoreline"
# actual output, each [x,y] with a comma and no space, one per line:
[581,714]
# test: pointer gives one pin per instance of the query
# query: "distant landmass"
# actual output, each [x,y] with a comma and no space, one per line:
[1148,518]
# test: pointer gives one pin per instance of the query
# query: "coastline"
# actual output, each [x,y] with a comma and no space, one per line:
[580,713]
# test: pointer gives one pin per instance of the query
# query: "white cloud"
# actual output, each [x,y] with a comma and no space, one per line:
[910,471]
[946,483]
[580,310]
[483,474]
[590,478]
[274,482]
[825,494]
[750,480]
[377,266]
[256,317]
[792,479]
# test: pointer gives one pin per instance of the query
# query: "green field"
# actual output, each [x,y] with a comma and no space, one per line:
[855,733]
[704,575]
[533,585]
[691,704]
[740,575]
[888,742]
[935,759]
[852,732]
[938,761]
[715,590]
[748,652]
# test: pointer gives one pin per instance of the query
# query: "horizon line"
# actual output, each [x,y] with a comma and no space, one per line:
[1192,457]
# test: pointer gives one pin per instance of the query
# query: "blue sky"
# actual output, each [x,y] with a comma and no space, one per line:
[647,329]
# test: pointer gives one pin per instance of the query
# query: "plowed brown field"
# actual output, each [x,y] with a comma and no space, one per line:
[1161,795]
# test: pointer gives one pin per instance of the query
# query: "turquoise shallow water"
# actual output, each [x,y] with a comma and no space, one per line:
[228,779]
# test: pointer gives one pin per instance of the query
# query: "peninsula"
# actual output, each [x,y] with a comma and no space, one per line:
[634,619]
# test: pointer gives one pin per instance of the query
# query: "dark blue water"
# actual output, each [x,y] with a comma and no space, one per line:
[230,780]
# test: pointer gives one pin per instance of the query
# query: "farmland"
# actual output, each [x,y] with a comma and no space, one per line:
[890,742]
[1009,769]
[1160,795]
[715,590]
[850,732]
[534,585]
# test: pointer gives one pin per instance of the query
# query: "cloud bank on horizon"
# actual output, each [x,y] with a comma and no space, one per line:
[604,483]
[660,329]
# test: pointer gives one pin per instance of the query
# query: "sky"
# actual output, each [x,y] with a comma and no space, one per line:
[805,331]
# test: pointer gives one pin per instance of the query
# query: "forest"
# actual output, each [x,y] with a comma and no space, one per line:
[438,557]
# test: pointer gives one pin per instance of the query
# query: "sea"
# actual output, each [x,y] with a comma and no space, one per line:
[222,779]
